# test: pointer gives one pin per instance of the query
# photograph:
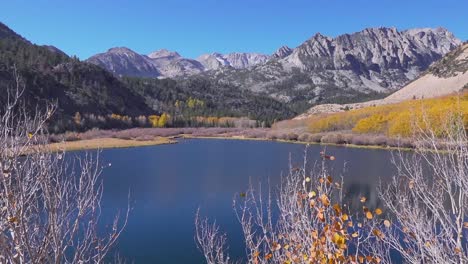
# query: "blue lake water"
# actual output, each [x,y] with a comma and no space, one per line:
[168,183]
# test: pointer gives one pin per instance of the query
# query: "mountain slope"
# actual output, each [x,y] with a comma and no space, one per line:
[50,75]
[446,76]
[125,62]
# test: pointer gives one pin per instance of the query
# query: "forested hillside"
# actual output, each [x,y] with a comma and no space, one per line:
[79,87]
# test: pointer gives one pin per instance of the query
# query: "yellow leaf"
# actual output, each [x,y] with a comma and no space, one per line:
[312,203]
[324,199]
[355,234]
[276,246]
[363,199]
[378,233]
[30,135]
[369,215]
[12,219]
[312,194]
[378,211]
[344,217]
[337,208]
[307,179]
[338,239]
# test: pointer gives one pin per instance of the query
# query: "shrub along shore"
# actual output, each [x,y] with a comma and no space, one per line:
[135,137]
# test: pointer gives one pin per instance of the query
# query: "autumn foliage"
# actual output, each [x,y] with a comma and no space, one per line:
[395,119]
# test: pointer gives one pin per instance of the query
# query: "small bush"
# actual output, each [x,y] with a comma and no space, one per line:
[71,136]
[334,138]
[291,136]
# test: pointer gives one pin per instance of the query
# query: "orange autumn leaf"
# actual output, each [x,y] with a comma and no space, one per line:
[378,211]
[369,215]
[324,199]
[337,208]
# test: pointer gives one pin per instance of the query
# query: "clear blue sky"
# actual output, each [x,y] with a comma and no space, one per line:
[194,27]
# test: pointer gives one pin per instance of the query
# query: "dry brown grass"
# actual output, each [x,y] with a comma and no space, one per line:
[104,143]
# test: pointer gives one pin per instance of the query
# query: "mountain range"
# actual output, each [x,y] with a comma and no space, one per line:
[368,63]
[355,67]
[123,61]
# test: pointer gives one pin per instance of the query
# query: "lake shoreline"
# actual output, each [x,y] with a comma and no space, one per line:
[111,143]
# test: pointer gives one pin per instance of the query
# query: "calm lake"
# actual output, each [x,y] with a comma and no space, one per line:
[169,182]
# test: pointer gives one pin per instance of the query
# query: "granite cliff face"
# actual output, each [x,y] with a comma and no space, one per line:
[235,60]
[171,64]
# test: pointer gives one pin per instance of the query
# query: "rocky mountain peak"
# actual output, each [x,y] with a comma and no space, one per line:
[122,51]
[123,61]
[164,53]
[237,60]
[241,60]
[282,52]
